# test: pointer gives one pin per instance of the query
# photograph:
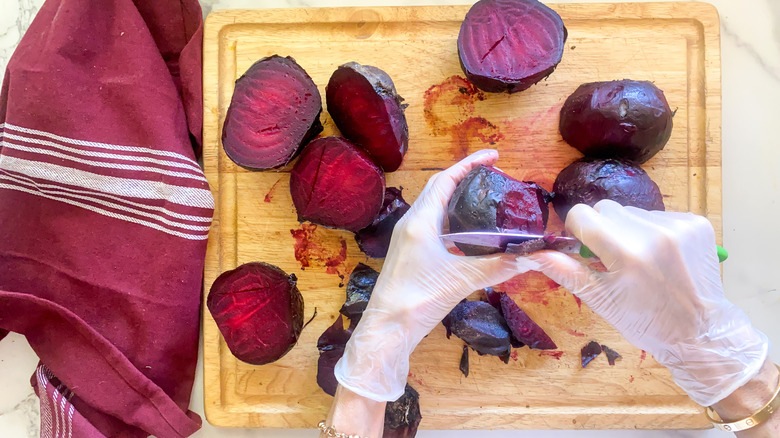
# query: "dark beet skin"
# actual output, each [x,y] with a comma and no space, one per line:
[509,45]
[359,287]
[331,346]
[523,328]
[367,110]
[490,200]
[374,240]
[258,310]
[482,327]
[618,119]
[274,112]
[402,417]
[589,180]
[337,185]
[589,352]
[612,355]
[464,361]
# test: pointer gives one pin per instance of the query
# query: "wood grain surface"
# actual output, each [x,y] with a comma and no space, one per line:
[676,45]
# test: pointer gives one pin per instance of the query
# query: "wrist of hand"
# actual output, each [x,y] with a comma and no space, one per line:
[750,397]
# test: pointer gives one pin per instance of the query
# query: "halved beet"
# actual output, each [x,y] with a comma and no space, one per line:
[258,310]
[617,119]
[274,112]
[523,327]
[359,287]
[490,200]
[482,327]
[366,108]
[374,240]
[589,180]
[402,417]
[331,346]
[509,45]
[589,352]
[337,185]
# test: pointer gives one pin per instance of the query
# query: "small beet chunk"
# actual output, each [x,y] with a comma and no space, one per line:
[275,111]
[523,327]
[464,361]
[482,327]
[402,417]
[337,185]
[493,298]
[617,119]
[490,200]
[258,310]
[359,287]
[366,108]
[374,240]
[331,346]
[612,355]
[509,45]
[589,352]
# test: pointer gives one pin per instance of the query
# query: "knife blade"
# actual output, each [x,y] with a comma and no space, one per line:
[517,243]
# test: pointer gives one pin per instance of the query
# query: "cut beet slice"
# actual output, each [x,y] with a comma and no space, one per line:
[359,287]
[274,112]
[402,417]
[589,180]
[617,119]
[482,327]
[612,355]
[337,185]
[509,45]
[258,310]
[589,352]
[331,346]
[366,108]
[523,327]
[374,240]
[490,200]
[493,298]
[464,361]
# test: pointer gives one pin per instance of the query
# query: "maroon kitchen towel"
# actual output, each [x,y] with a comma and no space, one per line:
[104,213]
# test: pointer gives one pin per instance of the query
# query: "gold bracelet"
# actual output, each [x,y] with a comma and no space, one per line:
[330,432]
[746,423]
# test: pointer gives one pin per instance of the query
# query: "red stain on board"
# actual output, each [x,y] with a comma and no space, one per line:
[413,377]
[631,379]
[270,195]
[310,250]
[513,355]
[552,353]
[531,287]
[642,357]
[473,128]
[579,302]
[575,333]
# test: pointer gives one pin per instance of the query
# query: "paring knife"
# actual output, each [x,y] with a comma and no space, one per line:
[521,243]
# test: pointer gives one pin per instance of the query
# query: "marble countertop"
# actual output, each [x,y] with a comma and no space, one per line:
[751,201]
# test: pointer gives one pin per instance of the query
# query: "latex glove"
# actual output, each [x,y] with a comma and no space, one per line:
[663,292]
[419,284]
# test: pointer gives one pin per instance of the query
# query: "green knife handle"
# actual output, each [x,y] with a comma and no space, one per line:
[586,253]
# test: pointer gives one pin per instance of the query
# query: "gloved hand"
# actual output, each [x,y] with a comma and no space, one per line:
[663,292]
[419,284]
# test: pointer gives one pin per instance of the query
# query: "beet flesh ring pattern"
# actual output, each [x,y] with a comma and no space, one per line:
[490,200]
[589,180]
[337,185]
[275,111]
[366,108]
[509,45]
[618,119]
[258,310]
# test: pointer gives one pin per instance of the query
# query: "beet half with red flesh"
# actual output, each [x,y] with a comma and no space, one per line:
[359,287]
[490,200]
[402,417]
[509,45]
[617,119]
[336,184]
[366,108]
[589,180]
[523,328]
[481,327]
[374,240]
[258,310]
[274,112]
[331,346]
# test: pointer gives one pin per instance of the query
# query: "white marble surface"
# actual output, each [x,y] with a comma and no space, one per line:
[751,170]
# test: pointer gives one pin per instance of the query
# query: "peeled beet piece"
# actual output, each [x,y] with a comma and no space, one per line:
[374,240]
[490,200]
[366,108]
[589,352]
[617,119]
[509,45]
[482,327]
[331,347]
[523,327]
[612,355]
[258,310]
[402,417]
[589,180]
[337,185]
[359,287]
[464,361]
[274,112]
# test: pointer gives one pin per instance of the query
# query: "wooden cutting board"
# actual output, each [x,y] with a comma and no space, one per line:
[676,45]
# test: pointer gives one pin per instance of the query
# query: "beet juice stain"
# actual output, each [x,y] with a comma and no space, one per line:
[270,195]
[311,252]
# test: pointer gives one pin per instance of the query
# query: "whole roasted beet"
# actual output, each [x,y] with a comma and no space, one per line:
[617,119]
[359,287]
[589,180]
[509,45]
[374,240]
[402,417]
[366,108]
[490,200]
[274,112]
[337,185]
[482,327]
[258,310]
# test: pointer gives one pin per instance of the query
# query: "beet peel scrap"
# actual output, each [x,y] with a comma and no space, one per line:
[374,240]
[359,287]
[523,328]
[589,352]
[259,311]
[612,355]
[331,346]
[402,417]
[481,327]
[509,45]
[464,361]
[274,112]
